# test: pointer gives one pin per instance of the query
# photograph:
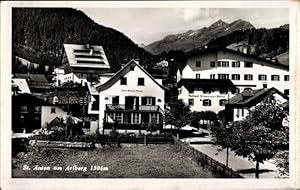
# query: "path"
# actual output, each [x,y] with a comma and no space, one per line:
[237,163]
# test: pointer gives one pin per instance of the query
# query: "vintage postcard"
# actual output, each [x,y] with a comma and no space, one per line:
[142,95]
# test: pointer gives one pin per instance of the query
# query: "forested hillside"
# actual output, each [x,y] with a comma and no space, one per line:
[39,33]
[263,42]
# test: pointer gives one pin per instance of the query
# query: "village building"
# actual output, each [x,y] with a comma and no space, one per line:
[205,94]
[59,75]
[130,100]
[73,97]
[83,62]
[237,108]
[30,113]
[216,64]
[37,83]
[19,86]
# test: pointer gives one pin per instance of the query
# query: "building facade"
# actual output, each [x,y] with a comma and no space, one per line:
[30,113]
[245,72]
[85,61]
[130,100]
[239,105]
[205,94]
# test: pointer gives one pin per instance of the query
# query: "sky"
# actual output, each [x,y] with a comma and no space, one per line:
[146,25]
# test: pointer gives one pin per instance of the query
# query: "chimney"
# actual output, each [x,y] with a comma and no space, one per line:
[91,52]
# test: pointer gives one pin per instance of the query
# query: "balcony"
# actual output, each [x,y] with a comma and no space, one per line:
[133,108]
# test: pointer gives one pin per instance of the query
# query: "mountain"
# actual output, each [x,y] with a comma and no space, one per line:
[39,35]
[197,38]
[262,42]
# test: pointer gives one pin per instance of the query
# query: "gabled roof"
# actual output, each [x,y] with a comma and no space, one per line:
[34,80]
[68,95]
[92,56]
[251,97]
[29,99]
[192,83]
[123,72]
[216,49]
[21,84]
[32,77]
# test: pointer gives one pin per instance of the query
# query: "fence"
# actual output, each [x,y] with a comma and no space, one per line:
[206,161]
[60,144]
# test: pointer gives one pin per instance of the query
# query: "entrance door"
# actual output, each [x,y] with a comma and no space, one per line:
[131,103]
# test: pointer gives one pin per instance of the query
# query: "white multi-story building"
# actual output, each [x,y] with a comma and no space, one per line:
[81,63]
[218,64]
[130,100]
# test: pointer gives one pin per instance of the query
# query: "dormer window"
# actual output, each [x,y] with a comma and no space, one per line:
[55,100]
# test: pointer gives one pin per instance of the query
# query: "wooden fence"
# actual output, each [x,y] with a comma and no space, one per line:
[206,161]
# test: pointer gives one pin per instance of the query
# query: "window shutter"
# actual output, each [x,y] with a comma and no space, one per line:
[144,100]
[153,100]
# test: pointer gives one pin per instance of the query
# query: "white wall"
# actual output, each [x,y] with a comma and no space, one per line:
[259,67]
[59,76]
[199,96]
[131,89]
[47,116]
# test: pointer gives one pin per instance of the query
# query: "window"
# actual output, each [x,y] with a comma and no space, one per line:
[191,102]
[141,81]
[286,77]
[265,86]
[223,63]
[55,100]
[222,102]
[52,110]
[132,68]
[135,118]
[235,64]
[212,76]
[115,100]
[212,64]
[37,119]
[248,77]
[248,64]
[197,76]
[198,63]
[262,77]
[24,109]
[235,77]
[235,90]
[223,76]
[207,102]
[116,117]
[37,109]
[275,77]
[286,92]
[148,100]
[207,90]
[223,90]
[153,117]
[123,81]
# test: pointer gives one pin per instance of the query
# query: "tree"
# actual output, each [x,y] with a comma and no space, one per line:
[260,136]
[178,114]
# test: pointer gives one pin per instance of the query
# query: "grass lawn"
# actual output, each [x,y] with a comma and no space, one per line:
[134,161]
